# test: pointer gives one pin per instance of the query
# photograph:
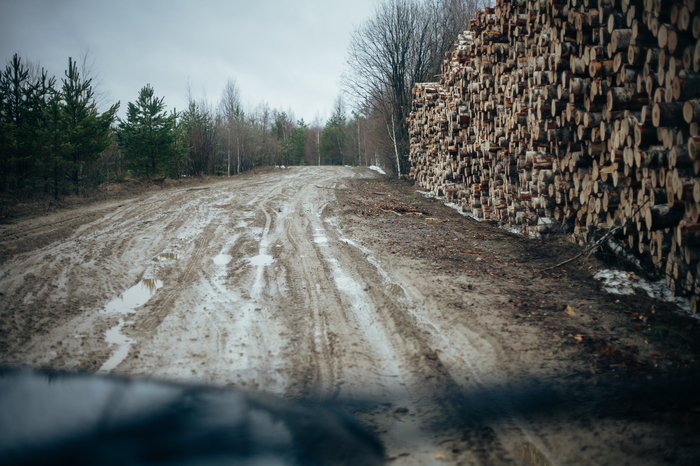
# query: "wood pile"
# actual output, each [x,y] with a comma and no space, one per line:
[574,113]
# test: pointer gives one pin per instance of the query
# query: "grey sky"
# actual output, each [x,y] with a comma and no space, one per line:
[288,54]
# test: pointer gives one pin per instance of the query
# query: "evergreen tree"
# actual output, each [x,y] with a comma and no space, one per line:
[86,131]
[21,106]
[52,139]
[150,136]
[332,143]
[199,128]
[7,144]
[298,142]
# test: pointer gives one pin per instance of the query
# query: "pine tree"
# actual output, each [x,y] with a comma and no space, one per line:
[332,143]
[86,131]
[21,106]
[199,127]
[298,142]
[149,136]
[52,140]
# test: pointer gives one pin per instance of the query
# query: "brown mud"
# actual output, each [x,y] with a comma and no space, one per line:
[442,334]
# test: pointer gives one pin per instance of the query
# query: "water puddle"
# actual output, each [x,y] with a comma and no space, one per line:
[166,256]
[240,229]
[130,300]
[319,237]
[395,289]
[113,336]
[222,259]
[262,260]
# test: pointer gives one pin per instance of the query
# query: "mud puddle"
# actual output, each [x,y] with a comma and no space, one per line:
[261,260]
[128,302]
[222,259]
[395,290]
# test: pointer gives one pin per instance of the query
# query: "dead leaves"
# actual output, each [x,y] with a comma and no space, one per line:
[572,313]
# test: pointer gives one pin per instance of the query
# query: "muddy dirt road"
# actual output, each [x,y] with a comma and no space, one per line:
[269,283]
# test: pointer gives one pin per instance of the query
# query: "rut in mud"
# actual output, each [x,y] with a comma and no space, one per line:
[281,283]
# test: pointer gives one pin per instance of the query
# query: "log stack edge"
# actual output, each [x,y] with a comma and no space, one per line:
[576,113]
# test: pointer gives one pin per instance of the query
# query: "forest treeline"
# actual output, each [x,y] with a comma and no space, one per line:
[55,140]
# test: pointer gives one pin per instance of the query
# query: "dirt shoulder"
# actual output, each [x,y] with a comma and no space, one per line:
[627,357]
[17,207]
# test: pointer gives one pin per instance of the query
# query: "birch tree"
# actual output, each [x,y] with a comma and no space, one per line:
[234,118]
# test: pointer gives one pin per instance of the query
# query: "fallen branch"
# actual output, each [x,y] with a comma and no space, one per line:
[391,212]
[600,241]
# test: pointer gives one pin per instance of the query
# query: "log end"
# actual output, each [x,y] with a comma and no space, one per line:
[688,113]
[656,115]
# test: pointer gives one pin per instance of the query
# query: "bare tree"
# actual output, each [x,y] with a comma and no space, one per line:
[88,69]
[403,42]
[314,139]
[230,109]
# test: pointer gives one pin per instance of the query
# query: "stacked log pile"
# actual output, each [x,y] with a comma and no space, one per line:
[582,113]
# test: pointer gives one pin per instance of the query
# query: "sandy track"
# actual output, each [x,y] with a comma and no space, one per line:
[261,283]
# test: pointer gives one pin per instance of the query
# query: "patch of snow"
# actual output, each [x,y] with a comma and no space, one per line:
[377,169]
[427,194]
[459,209]
[627,283]
[518,230]
[431,195]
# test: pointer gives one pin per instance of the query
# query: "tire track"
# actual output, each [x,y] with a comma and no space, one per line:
[163,306]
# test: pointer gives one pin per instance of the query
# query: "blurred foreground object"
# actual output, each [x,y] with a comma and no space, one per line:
[65,418]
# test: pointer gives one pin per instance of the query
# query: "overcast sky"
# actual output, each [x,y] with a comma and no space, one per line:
[289,54]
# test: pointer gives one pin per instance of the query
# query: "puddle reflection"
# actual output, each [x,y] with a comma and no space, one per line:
[134,297]
[130,300]
[395,289]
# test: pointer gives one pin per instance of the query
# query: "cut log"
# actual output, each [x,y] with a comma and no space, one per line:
[691,111]
[660,217]
[667,114]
